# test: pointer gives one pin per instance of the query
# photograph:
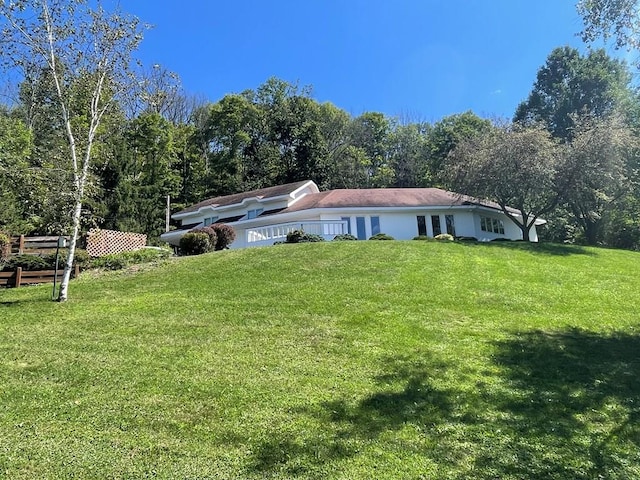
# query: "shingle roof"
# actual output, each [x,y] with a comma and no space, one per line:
[385,197]
[261,193]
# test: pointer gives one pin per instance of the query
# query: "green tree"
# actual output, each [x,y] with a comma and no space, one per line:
[16,193]
[81,48]
[598,165]
[570,85]
[617,19]
[445,135]
[148,174]
[370,132]
[409,154]
[516,167]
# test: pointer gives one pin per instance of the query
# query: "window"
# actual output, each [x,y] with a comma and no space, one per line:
[422,225]
[492,225]
[348,220]
[375,225]
[254,213]
[451,227]
[435,224]
[209,221]
[362,234]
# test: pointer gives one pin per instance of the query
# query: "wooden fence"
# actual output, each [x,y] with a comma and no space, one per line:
[19,277]
[34,245]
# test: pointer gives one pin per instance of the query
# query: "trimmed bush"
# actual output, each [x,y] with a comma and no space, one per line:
[225,235]
[47,261]
[210,232]
[81,258]
[29,262]
[299,236]
[5,246]
[381,236]
[444,237]
[195,243]
[344,237]
[117,261]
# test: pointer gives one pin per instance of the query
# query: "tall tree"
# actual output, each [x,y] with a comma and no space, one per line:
[16,181]
[569,85]
[148,173]
[409,154]
[617,19]
[445,135]
[370,132]
[599,159]
[73,41]
[514,166]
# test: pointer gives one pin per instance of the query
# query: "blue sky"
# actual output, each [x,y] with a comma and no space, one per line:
[419,59]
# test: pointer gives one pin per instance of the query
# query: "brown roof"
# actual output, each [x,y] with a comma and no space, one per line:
[225,200]
[385,197]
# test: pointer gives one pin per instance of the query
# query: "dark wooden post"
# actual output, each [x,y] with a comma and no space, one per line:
[18,276]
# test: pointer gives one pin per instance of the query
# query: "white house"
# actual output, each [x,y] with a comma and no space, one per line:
[264,216]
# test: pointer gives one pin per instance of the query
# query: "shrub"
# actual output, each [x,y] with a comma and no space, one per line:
[225,235]
[381,236]
[444,237]
[117,261]
[299,236]
[5,246]
[195,243]
[213,236]
[344,237]
[29,262]
[295,236]
[422,237]
[81,258]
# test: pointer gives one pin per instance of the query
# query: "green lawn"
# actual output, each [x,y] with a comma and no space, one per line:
[352,360]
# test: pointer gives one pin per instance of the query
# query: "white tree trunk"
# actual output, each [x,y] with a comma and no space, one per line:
[68,267]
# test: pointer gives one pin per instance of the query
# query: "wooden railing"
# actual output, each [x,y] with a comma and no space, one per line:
[34,245]
[20,277]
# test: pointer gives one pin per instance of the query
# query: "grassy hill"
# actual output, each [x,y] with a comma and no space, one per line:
[336,360]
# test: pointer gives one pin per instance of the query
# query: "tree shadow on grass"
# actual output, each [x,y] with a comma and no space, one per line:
[572,405]
[550,405]
[22,302]
[405,395]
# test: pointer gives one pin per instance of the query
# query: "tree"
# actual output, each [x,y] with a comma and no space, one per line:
[147,169]
[514,166]
[409,154]
[605,19]
[570,85]
[15,179]
[598,159]
[445,135]
[86,50]
[370,133]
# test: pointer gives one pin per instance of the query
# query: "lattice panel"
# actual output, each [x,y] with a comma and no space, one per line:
[103,242]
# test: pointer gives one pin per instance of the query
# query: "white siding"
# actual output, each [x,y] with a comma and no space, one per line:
[400,224]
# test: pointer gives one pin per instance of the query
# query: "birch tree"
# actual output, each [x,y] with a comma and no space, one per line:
[87,52]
